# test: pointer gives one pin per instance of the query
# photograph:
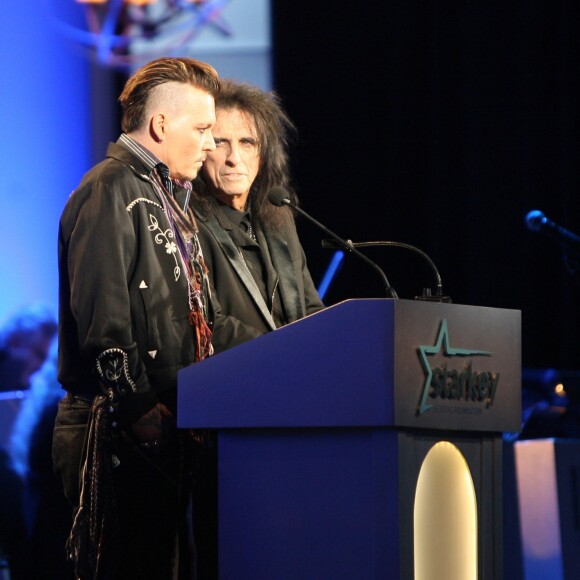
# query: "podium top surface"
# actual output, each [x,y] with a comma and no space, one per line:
[366,363]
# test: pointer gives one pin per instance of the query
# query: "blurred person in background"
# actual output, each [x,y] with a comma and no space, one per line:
[47,512]
[25,339]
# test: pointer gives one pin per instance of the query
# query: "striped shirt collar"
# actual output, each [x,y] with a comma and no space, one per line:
[148,159]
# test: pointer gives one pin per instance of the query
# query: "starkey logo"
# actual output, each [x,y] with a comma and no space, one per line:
[454,380]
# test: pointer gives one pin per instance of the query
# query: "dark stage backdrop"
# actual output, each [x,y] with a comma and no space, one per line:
[441,124]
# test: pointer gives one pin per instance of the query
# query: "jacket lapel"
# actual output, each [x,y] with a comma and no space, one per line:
[281,261]
[219,230]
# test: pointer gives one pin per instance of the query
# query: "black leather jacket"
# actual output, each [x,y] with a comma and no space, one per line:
[124,305]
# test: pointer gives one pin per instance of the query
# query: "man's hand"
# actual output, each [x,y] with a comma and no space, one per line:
[154,428]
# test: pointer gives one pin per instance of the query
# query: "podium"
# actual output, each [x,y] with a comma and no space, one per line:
[350,442]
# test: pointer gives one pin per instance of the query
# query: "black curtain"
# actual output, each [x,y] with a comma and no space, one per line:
[441,124]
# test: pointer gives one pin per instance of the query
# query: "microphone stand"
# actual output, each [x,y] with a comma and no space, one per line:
[349,247]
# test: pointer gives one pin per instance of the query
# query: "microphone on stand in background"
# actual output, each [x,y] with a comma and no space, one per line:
[536,221]
[279,197]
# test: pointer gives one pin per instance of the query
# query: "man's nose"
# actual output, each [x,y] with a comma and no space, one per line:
[209,144]
[234,154]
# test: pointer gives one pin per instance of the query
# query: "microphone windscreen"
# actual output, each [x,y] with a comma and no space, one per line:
[535,219]
[279,196]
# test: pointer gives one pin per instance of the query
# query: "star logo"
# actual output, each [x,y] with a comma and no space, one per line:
[441,345]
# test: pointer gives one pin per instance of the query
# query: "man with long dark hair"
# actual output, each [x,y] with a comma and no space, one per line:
[256,263]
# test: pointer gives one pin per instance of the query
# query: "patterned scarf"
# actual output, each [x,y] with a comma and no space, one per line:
[185,230]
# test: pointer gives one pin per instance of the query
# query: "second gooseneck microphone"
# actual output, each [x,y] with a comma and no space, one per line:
[279,196]
[427,295]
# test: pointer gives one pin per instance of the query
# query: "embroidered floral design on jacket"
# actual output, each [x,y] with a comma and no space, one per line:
[165,237]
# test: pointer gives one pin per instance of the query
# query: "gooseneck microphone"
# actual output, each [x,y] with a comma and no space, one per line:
[279,196]
[427,295]
[538,222]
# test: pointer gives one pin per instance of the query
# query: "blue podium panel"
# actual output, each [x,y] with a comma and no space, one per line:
[308,504]
[308,373]
[361,363]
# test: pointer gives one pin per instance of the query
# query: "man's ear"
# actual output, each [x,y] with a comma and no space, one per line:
[157,127]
